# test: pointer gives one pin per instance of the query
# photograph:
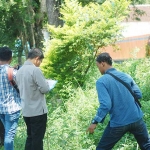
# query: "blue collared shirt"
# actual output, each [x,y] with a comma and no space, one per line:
[10,101]
[116,100]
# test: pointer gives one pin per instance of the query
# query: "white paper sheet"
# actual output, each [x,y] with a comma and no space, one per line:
[51,83]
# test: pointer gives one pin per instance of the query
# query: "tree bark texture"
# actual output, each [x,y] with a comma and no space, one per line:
[53,12]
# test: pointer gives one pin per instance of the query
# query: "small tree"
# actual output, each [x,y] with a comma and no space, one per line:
[73,47]
[23,21]
[148,48]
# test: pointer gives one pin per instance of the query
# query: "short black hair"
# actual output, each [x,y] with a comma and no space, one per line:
[5,53]
[104,57]
[35,52]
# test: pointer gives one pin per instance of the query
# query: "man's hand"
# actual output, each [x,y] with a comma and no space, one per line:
[91,128]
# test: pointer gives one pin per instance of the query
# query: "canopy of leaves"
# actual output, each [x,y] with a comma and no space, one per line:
[10,21]
[133,2]
[140,2]
[85,2]
[21,20]
[73,47]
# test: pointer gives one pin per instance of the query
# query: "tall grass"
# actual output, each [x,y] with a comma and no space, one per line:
[68,120]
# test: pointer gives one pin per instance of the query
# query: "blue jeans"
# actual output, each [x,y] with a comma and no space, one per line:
[112,135]
[10,122]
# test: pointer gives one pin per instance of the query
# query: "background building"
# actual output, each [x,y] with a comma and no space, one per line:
[136,35]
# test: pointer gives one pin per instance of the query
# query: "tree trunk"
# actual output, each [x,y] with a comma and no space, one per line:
[53,12]
[20,56]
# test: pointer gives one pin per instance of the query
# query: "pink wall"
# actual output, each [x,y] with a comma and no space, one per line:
[128,47]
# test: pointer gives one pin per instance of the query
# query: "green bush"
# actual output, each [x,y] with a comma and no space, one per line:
[139,70]
[69,126]
[71,51]
[147,48]
[68,120]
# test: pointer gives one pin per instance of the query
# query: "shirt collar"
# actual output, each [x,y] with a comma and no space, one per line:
[110,69]
[1,66]
[27,62]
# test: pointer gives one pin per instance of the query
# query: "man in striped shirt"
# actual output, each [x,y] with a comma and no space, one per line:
[10,102]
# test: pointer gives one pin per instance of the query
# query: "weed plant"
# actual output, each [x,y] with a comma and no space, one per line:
[68,120]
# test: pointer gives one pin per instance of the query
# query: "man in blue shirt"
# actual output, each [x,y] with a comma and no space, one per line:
[116,100]
[10,102]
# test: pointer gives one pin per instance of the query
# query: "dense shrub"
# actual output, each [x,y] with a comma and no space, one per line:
[68,121]
[72,49]
[139,70]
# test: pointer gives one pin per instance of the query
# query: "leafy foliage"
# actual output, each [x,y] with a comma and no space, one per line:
[72,49]
[66,128]
[72,123]
[21,20]
[133,2]
[85,2]
[147,48]
[139,70]
[140,1]
[67,123]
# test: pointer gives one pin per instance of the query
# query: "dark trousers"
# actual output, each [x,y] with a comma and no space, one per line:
[36,127]
[112,135]
[2,131]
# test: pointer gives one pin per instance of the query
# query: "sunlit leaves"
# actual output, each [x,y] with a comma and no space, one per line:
[73,47]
